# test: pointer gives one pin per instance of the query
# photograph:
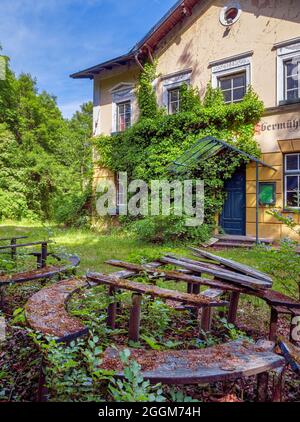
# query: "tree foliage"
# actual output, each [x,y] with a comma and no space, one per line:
[45,159]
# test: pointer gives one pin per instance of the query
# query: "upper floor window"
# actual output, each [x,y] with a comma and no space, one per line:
[171,89]
[123,116]
[291,79]
[122,106]
[173,100]
[288,72]
[234,87]
[232,75]
[292,181]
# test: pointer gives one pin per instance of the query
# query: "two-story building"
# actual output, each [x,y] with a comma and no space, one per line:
[232,44]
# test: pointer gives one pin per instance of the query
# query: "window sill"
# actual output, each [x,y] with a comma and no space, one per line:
[291,210]
[289,102]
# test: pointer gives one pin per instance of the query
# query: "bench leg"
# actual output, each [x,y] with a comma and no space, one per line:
[44,255]
[2,296]
[278,386]
[13,249]
[262,387]
[112,310]
[206,319]
[233,307]
[42,393]
[273,325]
[135,318]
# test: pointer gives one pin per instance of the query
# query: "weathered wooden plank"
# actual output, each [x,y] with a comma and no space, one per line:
[274,298]
[225,362]
[40,273]
[233,277]
[244,269]
[46,312]
[292,358]
[196,300]
[175,275]
[23,245]
[13,237]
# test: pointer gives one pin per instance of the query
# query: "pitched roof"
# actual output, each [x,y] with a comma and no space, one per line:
[178,12]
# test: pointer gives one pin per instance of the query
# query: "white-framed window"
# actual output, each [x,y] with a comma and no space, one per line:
[232,76]
[174,100]
[292,180]
[288,74]
[233,86]
[122,100]
[291,79]
[171,89]
[123,116]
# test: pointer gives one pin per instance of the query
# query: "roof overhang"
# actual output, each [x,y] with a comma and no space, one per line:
[177,13]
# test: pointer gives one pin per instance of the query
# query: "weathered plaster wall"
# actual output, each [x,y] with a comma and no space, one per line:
[200,40]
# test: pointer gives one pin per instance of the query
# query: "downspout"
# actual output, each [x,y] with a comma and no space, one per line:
[257,203]
[136,58]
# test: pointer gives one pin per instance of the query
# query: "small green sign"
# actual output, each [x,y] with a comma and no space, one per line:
[267,193]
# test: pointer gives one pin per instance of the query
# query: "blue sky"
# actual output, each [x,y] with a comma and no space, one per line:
[53,38]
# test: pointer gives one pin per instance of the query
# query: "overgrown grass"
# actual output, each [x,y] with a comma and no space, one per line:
[95,248]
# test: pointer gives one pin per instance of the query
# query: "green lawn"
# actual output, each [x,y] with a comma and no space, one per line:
[94,249]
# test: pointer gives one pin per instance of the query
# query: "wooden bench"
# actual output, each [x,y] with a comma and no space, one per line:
[42,273]
[193,286]
[226,281]
[38,274]
[227,362]
[138,289]
[41,256]
[46,311]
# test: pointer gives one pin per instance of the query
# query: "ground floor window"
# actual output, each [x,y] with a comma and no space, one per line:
[174,100]
[234,87]
[292,180]
[123,116]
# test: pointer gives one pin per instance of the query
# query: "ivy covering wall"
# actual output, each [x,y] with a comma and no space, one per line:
[147,148]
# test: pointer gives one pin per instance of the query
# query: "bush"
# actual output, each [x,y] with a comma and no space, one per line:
[162,229]
[70,209]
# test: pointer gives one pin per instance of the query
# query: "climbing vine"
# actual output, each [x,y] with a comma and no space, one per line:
[146,149]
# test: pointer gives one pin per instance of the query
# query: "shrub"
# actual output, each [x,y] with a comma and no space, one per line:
[162,229]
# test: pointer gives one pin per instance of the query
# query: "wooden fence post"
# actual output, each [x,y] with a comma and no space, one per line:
[135,318]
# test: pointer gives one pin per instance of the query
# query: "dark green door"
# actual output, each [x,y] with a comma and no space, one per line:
[233,218]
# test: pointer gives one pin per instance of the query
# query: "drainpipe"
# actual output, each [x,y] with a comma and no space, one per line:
[257,203]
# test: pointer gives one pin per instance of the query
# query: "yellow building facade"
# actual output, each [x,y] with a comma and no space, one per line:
[232,44]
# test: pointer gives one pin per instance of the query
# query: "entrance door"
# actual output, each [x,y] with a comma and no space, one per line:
[233,218]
